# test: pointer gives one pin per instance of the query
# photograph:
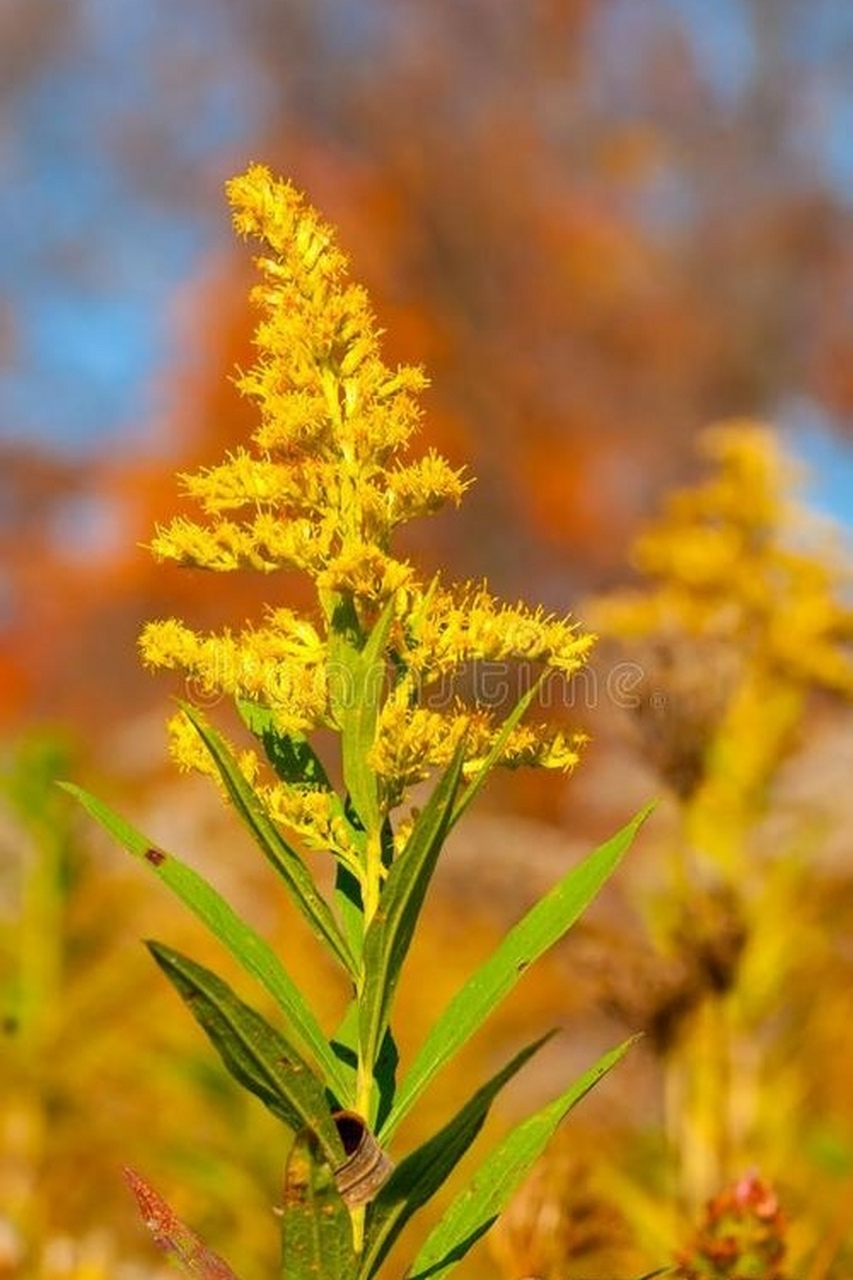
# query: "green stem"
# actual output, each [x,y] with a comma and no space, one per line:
[371,886]
[357,1219]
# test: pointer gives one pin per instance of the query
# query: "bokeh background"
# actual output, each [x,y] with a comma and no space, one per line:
[602,225]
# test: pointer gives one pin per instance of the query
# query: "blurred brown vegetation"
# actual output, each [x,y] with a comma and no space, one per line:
[595,253]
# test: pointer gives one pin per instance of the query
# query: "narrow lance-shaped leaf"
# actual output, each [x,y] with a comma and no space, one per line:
[316,1233]
[255,1053]
[390,932]
[475,785]
[417,1178]
[356,680]
[385,1076]
[297,764]
[475,1209]
[288,864]
[546,922]
[291,755]
[251,950]
[345,1048]
[350,909]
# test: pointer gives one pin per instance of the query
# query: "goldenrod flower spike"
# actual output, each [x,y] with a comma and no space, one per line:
[325,491]
[322,486]
[743,611]
[735,558]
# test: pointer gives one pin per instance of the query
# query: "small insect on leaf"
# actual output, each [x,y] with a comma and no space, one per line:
[172,1236]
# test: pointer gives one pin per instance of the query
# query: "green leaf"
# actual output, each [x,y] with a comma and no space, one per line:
[316,1235]
[356,684]
[345,1039]
[245,945]
[297,765]
[255,1053]
[390,932]
[475,785]
[546,922]
[350,908]
[475,1209]
[417,1178]
[385,1075]
[284,859]
[345,1048]
[291,755]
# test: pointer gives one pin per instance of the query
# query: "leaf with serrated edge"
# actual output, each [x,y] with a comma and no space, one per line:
[255,1053]
[545,923]
[247,947]
[475,1209]
[284,859]
[417,1178]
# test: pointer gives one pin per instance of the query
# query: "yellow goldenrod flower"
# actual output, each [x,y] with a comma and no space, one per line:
[189,754]
[412,740]
[313,816]
[281,665]
[469,625]
[322,485]
[740,614]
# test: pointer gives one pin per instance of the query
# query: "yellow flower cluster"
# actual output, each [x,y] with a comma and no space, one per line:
[413,739]
[189,752]
[311,813]
[282,665]
[322,488]
[326,488]
[741,614]
[447,629]
[733,558]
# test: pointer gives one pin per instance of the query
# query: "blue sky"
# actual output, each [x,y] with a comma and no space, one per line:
[93,260]
[96,258]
